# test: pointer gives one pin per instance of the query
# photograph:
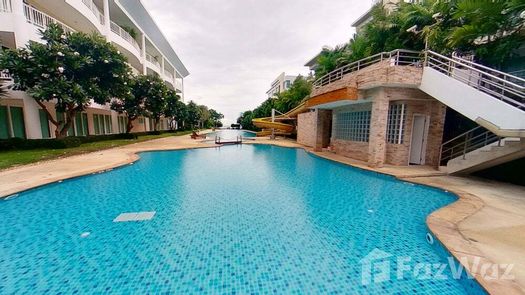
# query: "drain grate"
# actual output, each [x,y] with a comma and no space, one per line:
[134,216]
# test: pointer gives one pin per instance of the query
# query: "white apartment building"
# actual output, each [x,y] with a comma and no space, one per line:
[281,83]
[124,23]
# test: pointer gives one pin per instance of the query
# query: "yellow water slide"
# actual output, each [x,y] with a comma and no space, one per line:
[277,127]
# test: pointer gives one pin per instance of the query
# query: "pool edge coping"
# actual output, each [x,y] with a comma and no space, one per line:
[444,226]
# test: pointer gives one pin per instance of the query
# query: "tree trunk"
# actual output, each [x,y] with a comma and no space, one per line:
[49,117]
[69,118]
[129,125]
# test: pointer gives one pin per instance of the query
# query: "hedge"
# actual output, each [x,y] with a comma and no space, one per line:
[69,142]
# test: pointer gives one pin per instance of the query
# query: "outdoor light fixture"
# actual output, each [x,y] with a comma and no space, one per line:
[412,29]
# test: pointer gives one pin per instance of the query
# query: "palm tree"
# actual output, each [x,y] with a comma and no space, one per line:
[492,29]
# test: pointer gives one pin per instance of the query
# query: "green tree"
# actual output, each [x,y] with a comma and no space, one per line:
[174,108]
[132,104]
[193,113]
[69,69]
[491,29]
[155,101]
[204,116]
[215,118]
[292,97]
[245,119]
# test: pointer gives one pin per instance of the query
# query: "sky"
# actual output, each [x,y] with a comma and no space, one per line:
[234,49]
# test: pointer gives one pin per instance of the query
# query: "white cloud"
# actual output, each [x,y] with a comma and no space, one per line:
[235,48]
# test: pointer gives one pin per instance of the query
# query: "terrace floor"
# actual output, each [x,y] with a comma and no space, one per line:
[487,222]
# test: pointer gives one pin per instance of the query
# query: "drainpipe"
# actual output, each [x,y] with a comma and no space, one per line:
[107,20]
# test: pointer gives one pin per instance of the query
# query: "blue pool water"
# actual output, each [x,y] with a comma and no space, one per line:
[237,219]
[230,134]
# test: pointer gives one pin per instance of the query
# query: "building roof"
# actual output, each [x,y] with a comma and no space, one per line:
[363,18]
[142,17]
[312,62]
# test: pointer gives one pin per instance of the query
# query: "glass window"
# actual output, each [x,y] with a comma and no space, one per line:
[85,123]
[95,124]
[44,124]
[353,126]
[4,123]
[396,123]
[17,122]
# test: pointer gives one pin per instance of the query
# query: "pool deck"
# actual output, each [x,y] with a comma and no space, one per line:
[486,224]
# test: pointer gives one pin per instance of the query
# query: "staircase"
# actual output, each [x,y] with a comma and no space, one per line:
[491,98]
[479,149]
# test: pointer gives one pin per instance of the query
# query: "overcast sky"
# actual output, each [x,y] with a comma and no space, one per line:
[234,49]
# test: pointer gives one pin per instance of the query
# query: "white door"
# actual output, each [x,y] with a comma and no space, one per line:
[418,143]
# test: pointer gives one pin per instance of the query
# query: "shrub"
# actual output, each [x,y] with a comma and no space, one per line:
[64,143]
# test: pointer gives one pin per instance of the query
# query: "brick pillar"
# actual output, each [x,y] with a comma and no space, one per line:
[322,128]
[378,124]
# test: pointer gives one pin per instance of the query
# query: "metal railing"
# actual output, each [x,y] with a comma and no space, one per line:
[153,60]
[125,35]
[465,143]
[5,6]
[42,20]
[520,73]
[501,85]
[398,57]
[4,75]
[98,14]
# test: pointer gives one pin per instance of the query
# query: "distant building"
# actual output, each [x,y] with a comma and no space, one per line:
[312,63]
[389,5]
[281,83]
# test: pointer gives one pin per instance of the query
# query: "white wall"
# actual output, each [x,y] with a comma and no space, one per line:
[489,112]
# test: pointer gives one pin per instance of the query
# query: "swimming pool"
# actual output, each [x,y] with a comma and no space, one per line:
[230,134]
[236,219]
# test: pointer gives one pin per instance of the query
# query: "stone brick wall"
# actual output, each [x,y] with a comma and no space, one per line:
[377,151]
[379,74]
[352,149]
[306,129]
[417,102]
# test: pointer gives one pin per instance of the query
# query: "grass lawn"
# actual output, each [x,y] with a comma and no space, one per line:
[20,157]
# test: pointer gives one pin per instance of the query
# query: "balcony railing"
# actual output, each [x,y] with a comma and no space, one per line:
[397,57]
[125,35]
[169,75]
[98,14]
[5,6]
[178,84]
[152,60]
[42,20]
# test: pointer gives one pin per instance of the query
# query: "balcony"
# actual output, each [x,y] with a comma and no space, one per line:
[124,35]
[40,19]
[94,9]
[178,85]
[153,63]
[5,6]
[168,76]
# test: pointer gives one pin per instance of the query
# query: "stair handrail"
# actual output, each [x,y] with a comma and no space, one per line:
[505,89]
[470,143]
[357,65]
[472,65]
